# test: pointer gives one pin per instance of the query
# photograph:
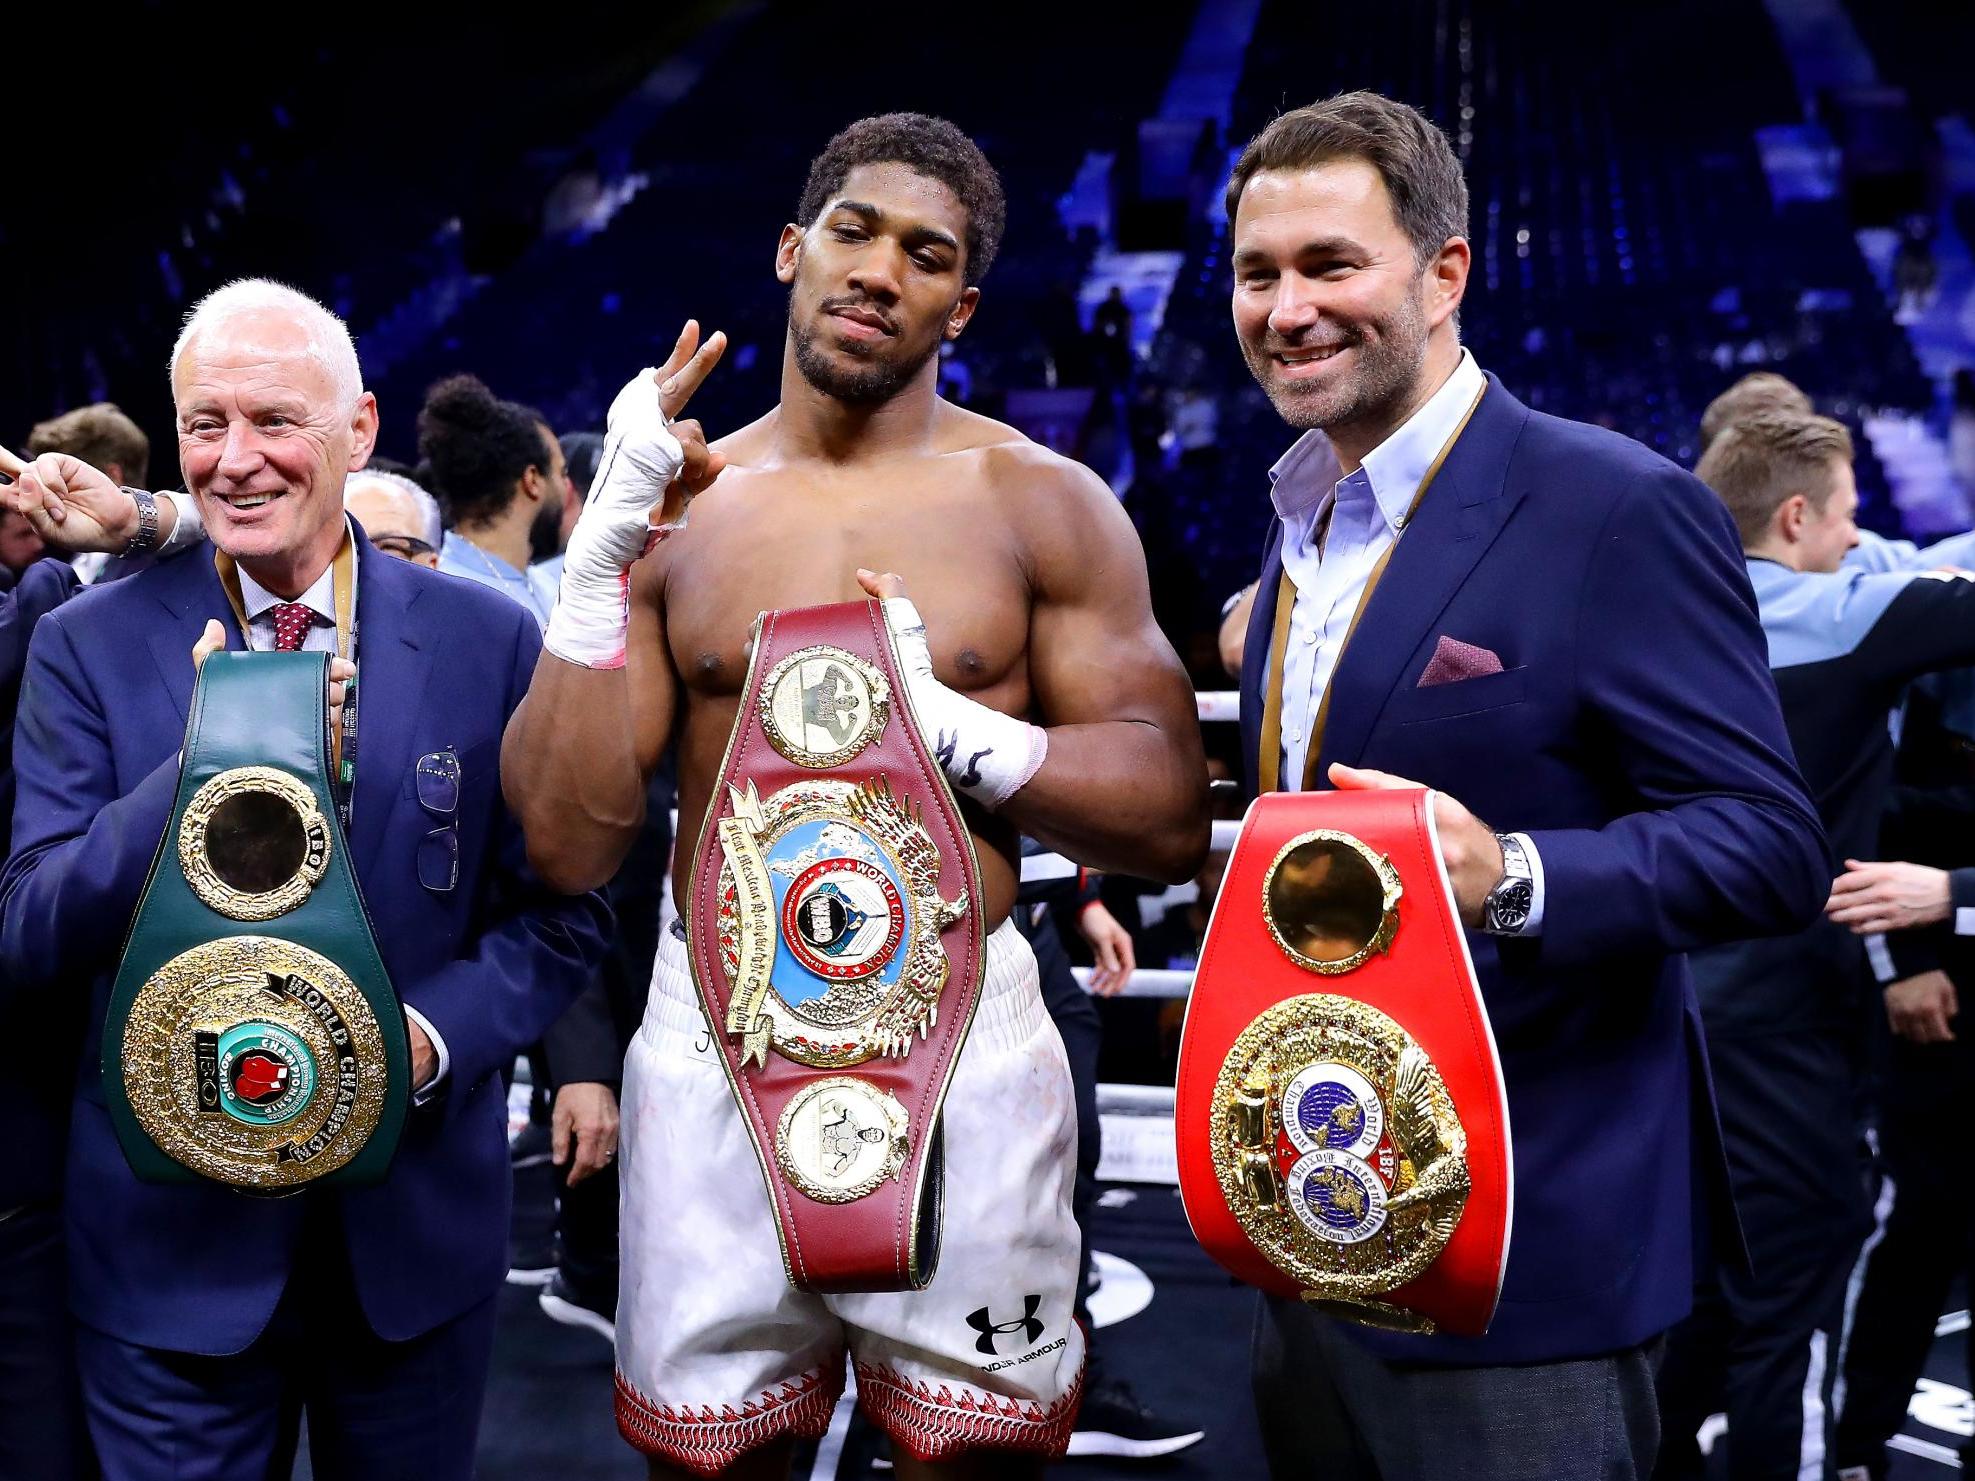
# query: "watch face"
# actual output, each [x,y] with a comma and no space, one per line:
[1508,908]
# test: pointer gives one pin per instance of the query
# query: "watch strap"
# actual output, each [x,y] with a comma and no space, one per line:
[1507,909]
[145,537]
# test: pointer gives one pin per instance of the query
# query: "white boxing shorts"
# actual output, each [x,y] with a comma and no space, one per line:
[718,1354]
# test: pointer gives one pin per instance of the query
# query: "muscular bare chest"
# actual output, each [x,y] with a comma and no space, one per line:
[765,542]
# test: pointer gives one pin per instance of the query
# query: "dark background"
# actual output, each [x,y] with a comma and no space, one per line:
[439,178]
[423,172]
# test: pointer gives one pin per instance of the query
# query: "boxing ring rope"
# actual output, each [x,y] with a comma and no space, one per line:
[1219,704]
[1138,1119]
[1152,982]
[1148,982]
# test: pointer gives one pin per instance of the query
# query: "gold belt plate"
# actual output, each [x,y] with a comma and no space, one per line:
[254,1061]
[253,843]
[1339,1151]
[822,706]
[839,1138]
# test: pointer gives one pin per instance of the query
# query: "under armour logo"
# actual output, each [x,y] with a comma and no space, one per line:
[989,1328]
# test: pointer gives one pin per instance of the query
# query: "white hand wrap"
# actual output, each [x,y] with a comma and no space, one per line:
[987,755]
[640,457]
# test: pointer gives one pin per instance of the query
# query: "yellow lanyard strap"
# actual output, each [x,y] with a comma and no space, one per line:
[1268,768]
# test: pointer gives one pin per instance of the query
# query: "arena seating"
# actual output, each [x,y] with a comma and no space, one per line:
[1629,263]
[699,239]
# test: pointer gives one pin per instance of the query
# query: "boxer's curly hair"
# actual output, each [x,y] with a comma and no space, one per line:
[930,146]
[475,447]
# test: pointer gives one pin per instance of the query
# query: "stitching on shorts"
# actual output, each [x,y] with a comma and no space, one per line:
[935,1424]
[706,1441]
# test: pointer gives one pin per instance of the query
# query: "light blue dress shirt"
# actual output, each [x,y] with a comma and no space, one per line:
[459,556]
[546,577]
[1366,512]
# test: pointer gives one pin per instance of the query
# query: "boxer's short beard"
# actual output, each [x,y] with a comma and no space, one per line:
[865,385]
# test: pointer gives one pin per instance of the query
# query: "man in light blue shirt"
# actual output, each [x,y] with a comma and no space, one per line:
[499,472]
[1337,527]
[460,555]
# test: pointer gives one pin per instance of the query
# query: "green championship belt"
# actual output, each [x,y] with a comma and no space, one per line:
[253,1037]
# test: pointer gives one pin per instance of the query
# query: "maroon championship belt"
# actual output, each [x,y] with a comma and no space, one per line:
[835,932]
[1343,1131]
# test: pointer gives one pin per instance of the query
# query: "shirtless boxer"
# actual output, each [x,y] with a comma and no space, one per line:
[1032,587]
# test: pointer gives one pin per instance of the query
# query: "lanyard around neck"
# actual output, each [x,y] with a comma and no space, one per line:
[343,742]
[1269,764]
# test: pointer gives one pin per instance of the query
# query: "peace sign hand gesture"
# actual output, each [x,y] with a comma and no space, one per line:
[651,466]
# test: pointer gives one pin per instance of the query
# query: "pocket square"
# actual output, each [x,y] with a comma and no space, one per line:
[1453,661]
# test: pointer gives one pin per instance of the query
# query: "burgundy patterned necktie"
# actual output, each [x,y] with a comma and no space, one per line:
[291,625]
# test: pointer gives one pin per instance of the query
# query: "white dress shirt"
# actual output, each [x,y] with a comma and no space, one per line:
[1366,512]
[320,599]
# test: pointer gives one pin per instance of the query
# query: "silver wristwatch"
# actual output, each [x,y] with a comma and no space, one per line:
[1506,910]
[146,536]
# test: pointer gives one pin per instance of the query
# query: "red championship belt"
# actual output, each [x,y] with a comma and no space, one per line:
[1343,1132]
[835,935]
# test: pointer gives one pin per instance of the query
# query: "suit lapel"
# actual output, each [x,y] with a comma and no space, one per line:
[1255,654]
[188,589]
[1464,510]
[393,660]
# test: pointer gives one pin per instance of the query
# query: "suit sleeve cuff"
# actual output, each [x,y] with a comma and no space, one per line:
[432,1089]
[1534,925]
[1961,899]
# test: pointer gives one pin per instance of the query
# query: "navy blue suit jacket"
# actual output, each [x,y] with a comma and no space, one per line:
[34,1100]
[490,963]
[1634,734]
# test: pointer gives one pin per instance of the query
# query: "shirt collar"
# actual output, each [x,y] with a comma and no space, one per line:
[320,598]
[1397,465]
[1307,474]
[1302,476]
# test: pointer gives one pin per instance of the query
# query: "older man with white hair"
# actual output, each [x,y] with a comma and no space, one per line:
[211,1321]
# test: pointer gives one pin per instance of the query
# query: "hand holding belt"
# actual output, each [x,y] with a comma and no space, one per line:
[987,755]
[1343,1129]
[835,937]
[253,1036]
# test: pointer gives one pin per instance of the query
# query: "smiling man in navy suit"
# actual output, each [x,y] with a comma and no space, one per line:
[210,1320]
[1552,627]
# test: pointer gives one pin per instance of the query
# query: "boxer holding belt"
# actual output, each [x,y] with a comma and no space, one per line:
[1056,708]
